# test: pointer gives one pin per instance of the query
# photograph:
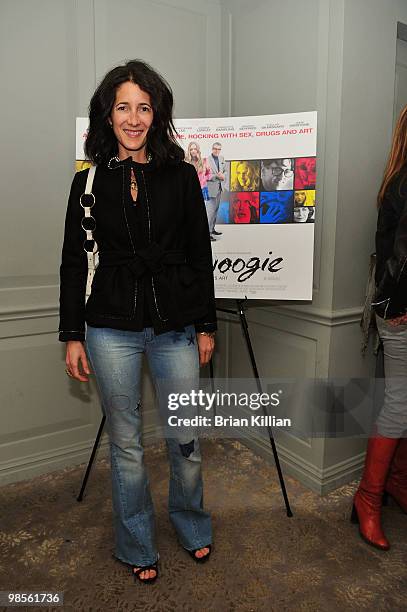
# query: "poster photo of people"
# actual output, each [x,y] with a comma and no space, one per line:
[258,177]
[269,182]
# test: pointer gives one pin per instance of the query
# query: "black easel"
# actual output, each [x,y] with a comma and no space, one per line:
[91,459]
[240,312]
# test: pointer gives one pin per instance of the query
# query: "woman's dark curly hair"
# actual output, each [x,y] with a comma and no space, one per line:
[101,143]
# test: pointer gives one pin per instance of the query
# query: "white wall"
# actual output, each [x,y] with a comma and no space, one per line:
[339,58]
[369,60]
[400,93]
[221,57]
[53,53]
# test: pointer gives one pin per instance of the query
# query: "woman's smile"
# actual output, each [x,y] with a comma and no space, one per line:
[133,133]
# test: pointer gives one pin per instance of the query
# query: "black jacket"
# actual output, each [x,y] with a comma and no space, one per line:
[391,250]
[162,262]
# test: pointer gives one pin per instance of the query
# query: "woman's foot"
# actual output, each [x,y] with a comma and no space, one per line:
[149,574]
[200,555]
[202,552]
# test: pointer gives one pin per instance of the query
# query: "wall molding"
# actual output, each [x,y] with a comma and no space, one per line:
[30,466]
[29,312]
[319,316]
[321,481]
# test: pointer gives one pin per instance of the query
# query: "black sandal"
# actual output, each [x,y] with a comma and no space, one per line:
[137,573]
[200,559]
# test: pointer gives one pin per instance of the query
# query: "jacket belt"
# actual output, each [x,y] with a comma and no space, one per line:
[151,259]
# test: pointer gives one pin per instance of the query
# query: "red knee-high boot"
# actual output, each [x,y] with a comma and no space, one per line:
[368,499]
[396,483]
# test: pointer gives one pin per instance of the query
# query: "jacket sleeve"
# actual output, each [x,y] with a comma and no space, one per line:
[212,178]
[74,267]
[389,300]
[198,247]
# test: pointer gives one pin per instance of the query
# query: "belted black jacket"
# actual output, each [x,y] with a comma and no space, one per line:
[159,260]
[391,250]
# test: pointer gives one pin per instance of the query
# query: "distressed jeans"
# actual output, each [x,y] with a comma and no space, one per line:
[116,359]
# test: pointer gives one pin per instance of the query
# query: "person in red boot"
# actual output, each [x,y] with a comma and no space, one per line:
[396,484]
[385,469]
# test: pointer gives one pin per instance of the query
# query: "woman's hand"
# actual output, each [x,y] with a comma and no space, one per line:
[206,345]
[75,353]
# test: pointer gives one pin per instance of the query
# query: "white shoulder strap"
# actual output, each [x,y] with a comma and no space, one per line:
[89,180]
[93,256]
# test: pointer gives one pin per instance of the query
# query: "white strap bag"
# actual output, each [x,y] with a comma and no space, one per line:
[88,224]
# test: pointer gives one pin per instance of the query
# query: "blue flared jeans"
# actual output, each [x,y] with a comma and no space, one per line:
[116,359]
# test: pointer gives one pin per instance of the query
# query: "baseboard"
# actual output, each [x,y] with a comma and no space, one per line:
[36,464]
[30,466]
[320,481]
[342,473]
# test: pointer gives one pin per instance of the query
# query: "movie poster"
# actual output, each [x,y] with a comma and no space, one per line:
[258,178]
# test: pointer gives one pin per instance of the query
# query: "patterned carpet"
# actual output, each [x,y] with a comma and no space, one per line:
[261,561]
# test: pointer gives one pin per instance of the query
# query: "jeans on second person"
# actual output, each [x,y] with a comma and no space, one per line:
[116,359]
[392,420]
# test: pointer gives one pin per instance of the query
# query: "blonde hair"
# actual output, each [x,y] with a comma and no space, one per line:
[397,156]
[253,176]
[199,165]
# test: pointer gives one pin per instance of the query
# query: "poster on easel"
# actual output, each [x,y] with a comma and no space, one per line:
[258,180]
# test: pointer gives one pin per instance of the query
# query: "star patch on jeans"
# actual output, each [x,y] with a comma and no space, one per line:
[187,449]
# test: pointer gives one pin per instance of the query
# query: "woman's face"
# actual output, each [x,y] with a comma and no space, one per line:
[193,151]
[243,175]
[301,214]
[299,198]
[241,209]
[131,118]
[306,172]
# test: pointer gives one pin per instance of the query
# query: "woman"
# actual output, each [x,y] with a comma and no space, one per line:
[304,214]
[305,173]
[385,468]
[194,157]
[152,293]
[245,208]
[245,176]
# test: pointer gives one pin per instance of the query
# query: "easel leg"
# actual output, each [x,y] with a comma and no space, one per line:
[245,329]
[92,457]
[212,383]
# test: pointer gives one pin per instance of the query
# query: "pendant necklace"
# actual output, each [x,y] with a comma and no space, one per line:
[133,186]
[133,182]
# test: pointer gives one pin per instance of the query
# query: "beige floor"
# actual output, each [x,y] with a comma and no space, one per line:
[261,561]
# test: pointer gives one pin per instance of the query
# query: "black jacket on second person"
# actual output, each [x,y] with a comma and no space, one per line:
[162,262]
[391,250]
